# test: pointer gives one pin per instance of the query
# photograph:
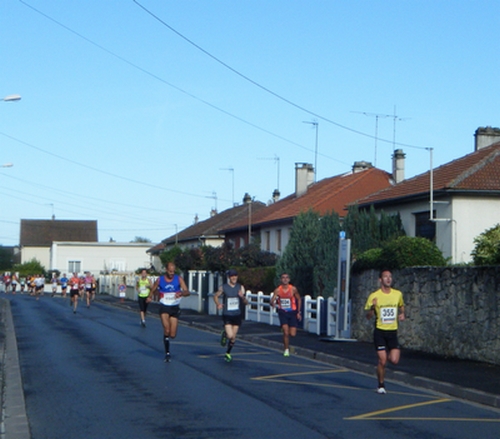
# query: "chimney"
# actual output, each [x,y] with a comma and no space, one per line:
[398,165]
[213,212]
[304,176]
[486,136]
[361,166]
[247,199]
[276,195]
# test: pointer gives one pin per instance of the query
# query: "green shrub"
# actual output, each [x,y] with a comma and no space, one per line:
[257,279]
[31,267]
[412,252]
[401,253]
[367,260]
[487,249]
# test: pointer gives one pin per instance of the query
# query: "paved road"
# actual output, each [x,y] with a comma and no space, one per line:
[98,374]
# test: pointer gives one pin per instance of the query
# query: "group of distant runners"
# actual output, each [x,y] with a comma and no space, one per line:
[386,304]
[84,286]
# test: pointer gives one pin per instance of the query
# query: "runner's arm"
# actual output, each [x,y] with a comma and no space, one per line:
[184,292]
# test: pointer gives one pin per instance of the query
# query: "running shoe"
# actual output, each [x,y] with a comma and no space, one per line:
[143,323]
[167,358]
[228,358]
[286,353]
[223,338]
[381,391]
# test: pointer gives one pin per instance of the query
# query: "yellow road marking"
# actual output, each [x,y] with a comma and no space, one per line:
[403,418]
[374,415]
[312,372]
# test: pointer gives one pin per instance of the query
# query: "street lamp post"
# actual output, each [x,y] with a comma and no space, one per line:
[11,98]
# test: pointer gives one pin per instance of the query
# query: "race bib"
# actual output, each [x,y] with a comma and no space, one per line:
[233,303]
[286,304]
[388,315]
[169,299]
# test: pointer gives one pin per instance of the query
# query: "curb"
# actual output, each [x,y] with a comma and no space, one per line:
[14,418]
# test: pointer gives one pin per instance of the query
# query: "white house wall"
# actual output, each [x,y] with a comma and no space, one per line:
[443,228]
[470,217]
[473,217]
[100,257]
[273,238]
[41,254]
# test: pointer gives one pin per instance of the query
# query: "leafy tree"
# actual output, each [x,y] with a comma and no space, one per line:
[326,255]
[219,259]
[6,258]
[140,239]
[299,257]
[368,230]
[487,247]
[170,255]
[257,278]
[31,267]
[252,256]
[190,259]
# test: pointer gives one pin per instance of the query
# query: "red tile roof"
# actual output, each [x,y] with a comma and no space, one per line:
[478,171]
[330,194]
[211,226]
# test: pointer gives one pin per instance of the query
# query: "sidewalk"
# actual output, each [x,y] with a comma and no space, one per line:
[469,380]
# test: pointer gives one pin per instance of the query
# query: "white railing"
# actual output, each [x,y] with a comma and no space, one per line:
[258,309]
[312,314]
[331,317]
[110,284]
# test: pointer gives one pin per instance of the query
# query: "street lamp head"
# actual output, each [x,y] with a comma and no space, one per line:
[11,98]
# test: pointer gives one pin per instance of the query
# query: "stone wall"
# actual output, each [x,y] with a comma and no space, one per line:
[450,311]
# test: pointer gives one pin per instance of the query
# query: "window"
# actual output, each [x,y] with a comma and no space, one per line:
[278,240]
[74,266]
[424,227]
[268,241]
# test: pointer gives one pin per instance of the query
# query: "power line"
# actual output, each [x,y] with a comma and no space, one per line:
[180,90]
[109,174]
[267,90]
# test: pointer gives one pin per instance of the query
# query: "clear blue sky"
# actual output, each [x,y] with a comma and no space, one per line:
[124,121]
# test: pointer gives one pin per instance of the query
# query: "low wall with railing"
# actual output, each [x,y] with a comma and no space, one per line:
[199,283]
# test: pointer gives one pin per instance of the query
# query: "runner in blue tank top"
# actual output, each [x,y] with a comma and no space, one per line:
[171,288]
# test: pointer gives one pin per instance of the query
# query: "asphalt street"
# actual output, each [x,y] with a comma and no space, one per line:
[99,374]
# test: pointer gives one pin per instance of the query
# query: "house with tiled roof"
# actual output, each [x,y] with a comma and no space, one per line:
[207,232]
[37,236]
[273,224]
[71,246]
[465,199]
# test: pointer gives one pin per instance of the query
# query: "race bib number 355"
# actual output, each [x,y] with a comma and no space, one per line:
[388,315]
